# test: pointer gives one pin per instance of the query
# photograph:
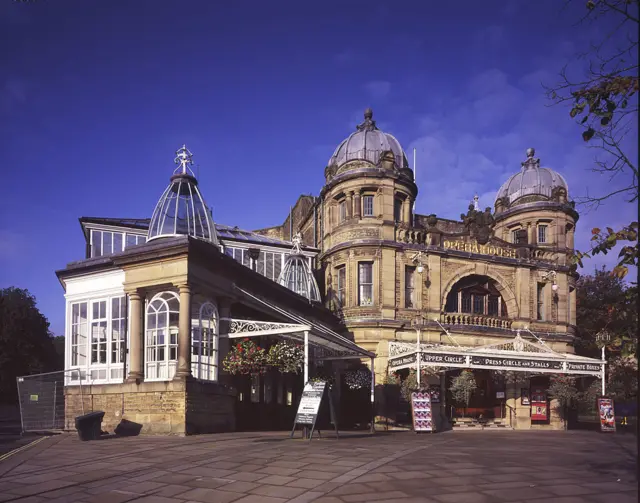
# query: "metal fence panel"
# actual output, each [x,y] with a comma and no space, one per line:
[41,397]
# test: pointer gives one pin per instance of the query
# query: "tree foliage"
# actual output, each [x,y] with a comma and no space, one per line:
[604,303]
[462,387]
[604,102]
[26,345]
[563,388]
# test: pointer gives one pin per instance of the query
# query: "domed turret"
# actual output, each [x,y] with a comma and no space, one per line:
[368,143]
[532,180]
[181,210]
[296,274]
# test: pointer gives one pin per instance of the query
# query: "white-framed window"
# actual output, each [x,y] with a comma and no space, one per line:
[342,284]
[365,283]
[118,328]
[79,332]
[204,348]
[409,286]
[542,234]
[270,264]
[134,239]
[367,206]
[540,302]
[99,332]
[161,341]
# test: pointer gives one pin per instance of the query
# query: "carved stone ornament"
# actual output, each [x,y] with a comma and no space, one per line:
[479,223]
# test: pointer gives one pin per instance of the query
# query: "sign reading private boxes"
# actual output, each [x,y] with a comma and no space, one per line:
[422,411]
[607,414]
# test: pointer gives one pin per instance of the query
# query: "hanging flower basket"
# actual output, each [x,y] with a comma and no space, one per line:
[245,358]
[358,379]
[286,356]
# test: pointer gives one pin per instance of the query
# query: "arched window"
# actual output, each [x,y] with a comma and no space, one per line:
[161,344]
[476,294]
[204,348]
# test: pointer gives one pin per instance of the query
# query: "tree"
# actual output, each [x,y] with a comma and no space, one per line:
[604,102]
[605,303]
[563,388]
[462,387]
[26,345]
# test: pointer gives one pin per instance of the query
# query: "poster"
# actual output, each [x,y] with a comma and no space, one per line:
[539,410]
[607,414]
[310,403]
[435,394]
[422,411]
[524,396]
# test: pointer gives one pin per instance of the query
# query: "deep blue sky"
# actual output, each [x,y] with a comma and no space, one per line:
[96,96]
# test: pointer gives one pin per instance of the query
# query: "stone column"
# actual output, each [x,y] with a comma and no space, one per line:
[406,211]
[136,338]
[358,206]
[349,204]
[184,333]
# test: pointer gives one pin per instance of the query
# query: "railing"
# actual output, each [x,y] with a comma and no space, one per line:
[415,236]
[512,414]
[474,320]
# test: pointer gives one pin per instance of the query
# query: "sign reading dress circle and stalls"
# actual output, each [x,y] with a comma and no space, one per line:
[607,414]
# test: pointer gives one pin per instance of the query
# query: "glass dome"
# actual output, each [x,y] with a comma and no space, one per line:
[181,210]
[296,274]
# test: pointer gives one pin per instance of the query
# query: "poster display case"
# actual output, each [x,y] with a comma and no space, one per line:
[607,414]
[539,407]
[422,411]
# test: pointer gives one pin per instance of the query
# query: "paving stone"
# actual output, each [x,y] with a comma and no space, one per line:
[277,480]
[625,497]
[508,477]
[351,489]
[239,487]
[114,497]
[208,495]
[307,497]
[143,487]
[305,483]
[373,477]
[308,474]
[467,497]
[519,494]
[383,495]
[278,491]
[256,498]
[276,470]
[171,490]
[327,499]
[406,475]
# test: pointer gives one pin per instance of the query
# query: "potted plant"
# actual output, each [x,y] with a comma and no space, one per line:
[245,357]
[462,387]
[286,357]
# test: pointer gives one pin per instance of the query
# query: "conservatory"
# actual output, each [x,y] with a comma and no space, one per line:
[153,328]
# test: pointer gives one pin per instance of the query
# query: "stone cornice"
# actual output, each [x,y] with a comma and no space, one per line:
[536,206]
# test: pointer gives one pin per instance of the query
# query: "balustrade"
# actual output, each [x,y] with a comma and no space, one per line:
[474,320]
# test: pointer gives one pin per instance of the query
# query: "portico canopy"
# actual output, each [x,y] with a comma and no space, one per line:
[517,355]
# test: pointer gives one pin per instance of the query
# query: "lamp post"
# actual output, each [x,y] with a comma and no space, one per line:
[418,323]
[603,336]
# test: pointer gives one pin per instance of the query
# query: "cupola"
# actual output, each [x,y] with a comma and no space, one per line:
[181,209]
[296,274]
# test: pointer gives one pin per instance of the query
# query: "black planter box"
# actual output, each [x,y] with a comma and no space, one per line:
[89,426]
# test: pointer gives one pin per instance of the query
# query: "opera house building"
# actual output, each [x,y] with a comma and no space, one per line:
[353,275]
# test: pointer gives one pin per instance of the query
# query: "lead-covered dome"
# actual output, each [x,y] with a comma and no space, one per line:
[182,210]
[368,143]
[532,180]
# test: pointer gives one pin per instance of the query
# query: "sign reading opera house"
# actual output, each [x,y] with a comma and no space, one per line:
[149,308]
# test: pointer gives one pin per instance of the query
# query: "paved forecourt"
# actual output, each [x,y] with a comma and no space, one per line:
[456,467]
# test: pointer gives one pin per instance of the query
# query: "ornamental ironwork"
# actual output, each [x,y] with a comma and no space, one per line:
[250,326]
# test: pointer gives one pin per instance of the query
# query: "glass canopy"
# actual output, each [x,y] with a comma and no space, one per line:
[181,210]
[296,274]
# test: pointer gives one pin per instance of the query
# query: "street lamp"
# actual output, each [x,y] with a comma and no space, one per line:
[603,336]
[417,323]
[417,259]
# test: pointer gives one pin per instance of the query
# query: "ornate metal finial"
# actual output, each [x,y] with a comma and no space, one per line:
[183,158]
[531,162]
[297,241]
[369,124]
[476,203]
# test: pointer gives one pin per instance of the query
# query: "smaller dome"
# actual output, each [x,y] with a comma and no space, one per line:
[296,274]
[531,180]
[181,209]
[368,143]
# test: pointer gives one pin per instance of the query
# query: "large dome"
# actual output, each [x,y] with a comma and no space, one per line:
[181,209]
[532,180]
[368,143]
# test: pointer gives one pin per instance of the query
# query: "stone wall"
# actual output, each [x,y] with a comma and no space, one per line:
[171,407]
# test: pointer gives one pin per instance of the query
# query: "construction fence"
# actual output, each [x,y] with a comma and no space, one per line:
[42,399]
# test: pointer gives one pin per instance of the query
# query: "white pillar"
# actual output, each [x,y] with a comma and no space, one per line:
[373,388]
[418,357]
[306,356]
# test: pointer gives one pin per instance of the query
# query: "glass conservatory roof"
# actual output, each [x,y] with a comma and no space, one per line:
[296,274]
[181,209]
